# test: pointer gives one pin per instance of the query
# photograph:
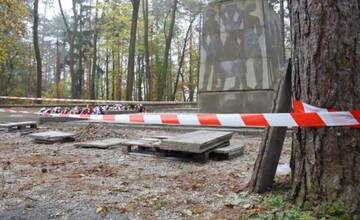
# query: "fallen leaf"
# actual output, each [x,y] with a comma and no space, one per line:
[130,207]
[219,196]
[101,209]
[247,206]
[197,210]
[229,206]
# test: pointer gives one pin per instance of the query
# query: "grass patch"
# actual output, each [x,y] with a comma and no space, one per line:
[278,208]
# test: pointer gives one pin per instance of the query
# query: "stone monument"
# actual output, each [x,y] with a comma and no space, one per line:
[240,57]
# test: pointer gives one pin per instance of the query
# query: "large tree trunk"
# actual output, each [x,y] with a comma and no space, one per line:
[131,62]
[326,64]
[37,51]
[168,38]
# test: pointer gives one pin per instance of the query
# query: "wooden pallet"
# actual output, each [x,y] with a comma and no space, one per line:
[202,157]
[141,144]
[17,126]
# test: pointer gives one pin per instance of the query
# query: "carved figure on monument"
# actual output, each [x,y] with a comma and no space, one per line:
[232,19]
[252,34]
[212,45]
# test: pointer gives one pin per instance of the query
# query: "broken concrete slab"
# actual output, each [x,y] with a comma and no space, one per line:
[196,142]
[18,125]
[52,137]
[103,144]
[227,153]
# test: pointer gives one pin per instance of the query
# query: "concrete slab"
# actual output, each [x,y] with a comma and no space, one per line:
[227,153]
[52,137]
[18,125]
[162,137]
[102,144]
[196,142]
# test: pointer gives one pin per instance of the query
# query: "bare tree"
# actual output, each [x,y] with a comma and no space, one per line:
[168,39]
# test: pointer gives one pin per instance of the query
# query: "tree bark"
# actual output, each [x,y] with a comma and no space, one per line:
[37,51]
[131,62]
[325,68]
[282,27]
[168,39]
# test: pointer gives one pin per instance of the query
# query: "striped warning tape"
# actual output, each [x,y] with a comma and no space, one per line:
[91,101]
[296,119]
[299,106]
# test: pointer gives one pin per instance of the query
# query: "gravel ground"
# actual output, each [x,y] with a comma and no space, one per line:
[60,181]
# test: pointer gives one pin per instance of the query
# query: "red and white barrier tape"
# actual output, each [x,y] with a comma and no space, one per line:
[296,119]
[91,101]
[299,107]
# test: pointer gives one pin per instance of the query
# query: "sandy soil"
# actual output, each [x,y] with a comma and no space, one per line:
[60,181]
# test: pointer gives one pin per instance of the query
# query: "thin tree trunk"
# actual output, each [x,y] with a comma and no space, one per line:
[94,60]
[113,73]
[146,49]
[183,51]
[107,74]
[169,36]
[326,63]
[131,61]
[88,69]
[118,73]
[191,83]
[58,71]
[71,38]
[152,56]
[199,53]
[37,51]
[29,90]
[139,85]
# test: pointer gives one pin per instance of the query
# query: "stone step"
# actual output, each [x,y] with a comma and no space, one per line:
[227,153]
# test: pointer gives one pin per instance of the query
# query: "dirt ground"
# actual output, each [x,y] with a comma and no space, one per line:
[61,181]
